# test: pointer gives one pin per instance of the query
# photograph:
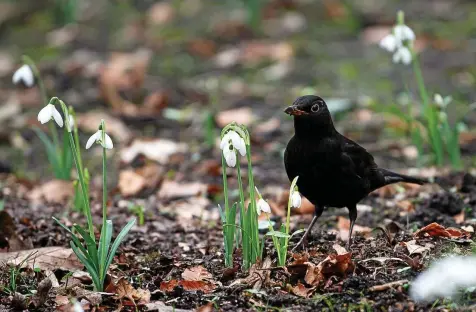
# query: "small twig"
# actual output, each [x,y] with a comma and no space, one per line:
[388,285]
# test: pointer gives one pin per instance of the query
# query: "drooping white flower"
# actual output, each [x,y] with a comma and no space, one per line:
[403,33]
[402,55]
[389,43]
[97,137]
[230,155]
[295,199]
[265,224]
[442,102]
[230,143]
[77,307]
[24,74]
[236,141]
[263,206]
[71,123]
[50,112]
[444,278]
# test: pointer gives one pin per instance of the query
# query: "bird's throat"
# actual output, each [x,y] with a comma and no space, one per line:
[312,127]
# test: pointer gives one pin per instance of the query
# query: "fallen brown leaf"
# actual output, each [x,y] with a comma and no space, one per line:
[132,182]
[333,265]
[159,150]
[414,248]
[242,115]
[173,190]
[198,273]
[302,291]
[206,287]
[436,230]
[46,258]
[459,218]
[54,191]
[124,290]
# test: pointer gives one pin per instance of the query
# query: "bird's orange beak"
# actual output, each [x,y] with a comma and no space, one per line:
[294,111]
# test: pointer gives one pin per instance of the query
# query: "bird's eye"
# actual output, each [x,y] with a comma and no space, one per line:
[315,108]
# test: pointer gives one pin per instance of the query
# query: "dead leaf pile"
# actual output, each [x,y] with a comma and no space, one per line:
[133,296]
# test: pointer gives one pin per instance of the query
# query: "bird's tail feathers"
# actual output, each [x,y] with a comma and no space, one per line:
[393,177]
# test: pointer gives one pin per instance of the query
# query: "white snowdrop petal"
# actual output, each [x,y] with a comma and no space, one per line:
[296,200]
[56,115]
[242,147]
[45,114]
[407,33]
[230,156]
[406,55]
[24,74]
[108,144]
[438,99]
[93,139]
[224,140]
[389,43]
[235,139]
[263,206]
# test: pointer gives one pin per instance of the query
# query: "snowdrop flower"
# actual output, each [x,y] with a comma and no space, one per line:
[442,102]
[389,43]
[265,224]
[295,199]
[402,55]
[77,307]
[50,112]
[263,206]
[399,42]
[24,74]
[403,33]
[230,143]
[71,123]
[444,278]
[230,155]
[97,137]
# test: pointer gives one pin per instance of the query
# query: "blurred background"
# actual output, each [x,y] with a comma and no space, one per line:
[182,69]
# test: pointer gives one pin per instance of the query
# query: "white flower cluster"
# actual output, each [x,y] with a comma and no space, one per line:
[230,144]
[398,43]
[49,112]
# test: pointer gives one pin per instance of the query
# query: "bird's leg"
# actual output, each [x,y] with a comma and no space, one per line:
[352,217]
[317,213]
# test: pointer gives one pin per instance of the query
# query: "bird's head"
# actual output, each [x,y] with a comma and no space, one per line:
[310,114]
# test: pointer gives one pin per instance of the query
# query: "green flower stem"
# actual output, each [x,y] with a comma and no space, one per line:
[428,111]
[254,212]
[80,174]
[104,174]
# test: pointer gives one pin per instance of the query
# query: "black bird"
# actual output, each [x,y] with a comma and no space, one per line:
[333,170]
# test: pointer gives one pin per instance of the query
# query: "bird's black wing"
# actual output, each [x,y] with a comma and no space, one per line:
[360,162]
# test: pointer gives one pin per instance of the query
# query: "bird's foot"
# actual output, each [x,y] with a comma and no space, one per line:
[299,244]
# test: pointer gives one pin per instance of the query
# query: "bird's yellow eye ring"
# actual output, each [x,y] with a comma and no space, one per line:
[315,108]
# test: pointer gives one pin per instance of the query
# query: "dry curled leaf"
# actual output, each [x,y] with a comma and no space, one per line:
[302,291]
[340,265]
[436,230]
[198,273]
[173,190]
[206,287]
[159,150]
[132,182]
[46,258]
[343,225]
[124,290]
[54,191]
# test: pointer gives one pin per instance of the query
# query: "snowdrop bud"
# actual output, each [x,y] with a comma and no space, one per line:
[296,200]
[444,278]
[24,74]
[389,43]
[225,141]
[230,156]
[50,112]
[263,206]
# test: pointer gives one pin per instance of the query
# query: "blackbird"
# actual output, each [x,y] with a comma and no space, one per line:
[333,170]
